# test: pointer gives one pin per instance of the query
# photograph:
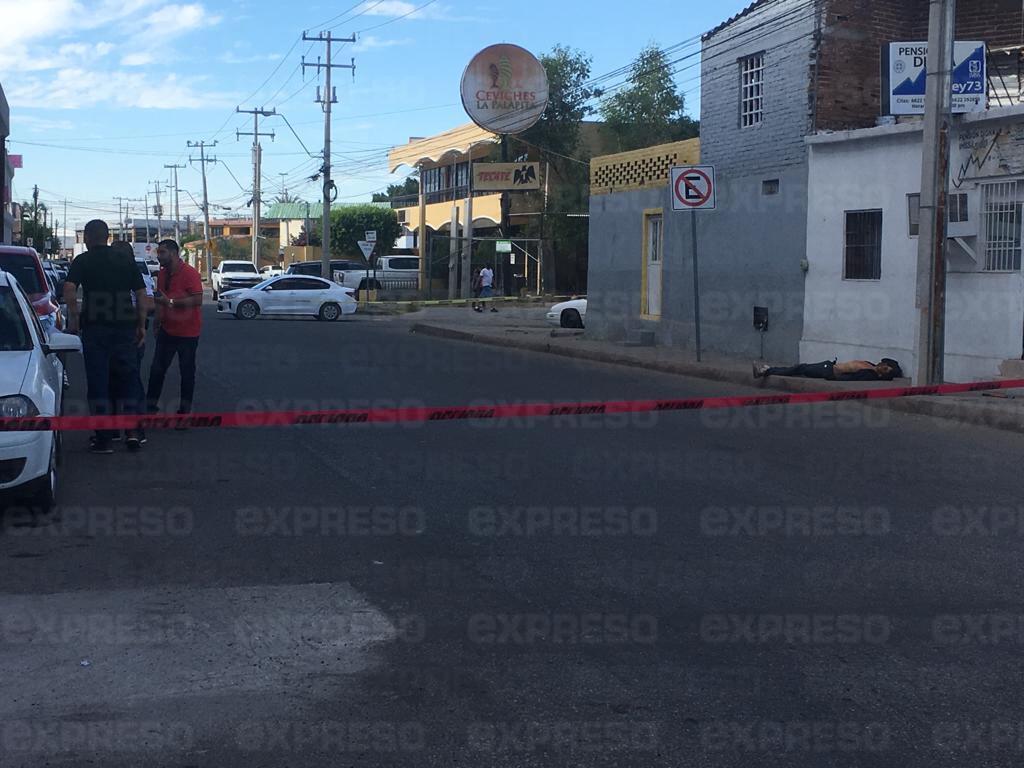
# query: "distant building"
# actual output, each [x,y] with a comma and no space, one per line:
[6,175]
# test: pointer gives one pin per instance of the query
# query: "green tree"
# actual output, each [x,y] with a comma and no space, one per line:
[407,189]
[313,239]
[38,231]
[350,224]
[650,109]
[556,135]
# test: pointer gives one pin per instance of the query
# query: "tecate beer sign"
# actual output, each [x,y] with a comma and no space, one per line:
[505,89]
[908,78]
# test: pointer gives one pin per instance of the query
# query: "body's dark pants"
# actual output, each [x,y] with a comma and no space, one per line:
[806,370]
[167,347]
[111,370]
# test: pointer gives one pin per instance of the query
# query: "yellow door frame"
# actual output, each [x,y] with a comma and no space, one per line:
[648,214]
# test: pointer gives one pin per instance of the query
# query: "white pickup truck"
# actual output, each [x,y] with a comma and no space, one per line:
[230,275]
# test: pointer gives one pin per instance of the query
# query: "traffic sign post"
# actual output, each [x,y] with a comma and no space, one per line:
[371,236]
[367,246]
[694,189]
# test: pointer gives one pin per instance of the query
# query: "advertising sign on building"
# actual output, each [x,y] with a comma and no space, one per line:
[502,177]
[907,72]
[505,89]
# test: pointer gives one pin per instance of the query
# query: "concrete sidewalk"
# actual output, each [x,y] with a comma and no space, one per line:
[525,328]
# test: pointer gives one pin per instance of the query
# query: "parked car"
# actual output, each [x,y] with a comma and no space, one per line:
[31,384]
[289,295]
[568,314]
[55,277]
[26,267]
[398,271]
[147,278]
[271,271]
[230,275]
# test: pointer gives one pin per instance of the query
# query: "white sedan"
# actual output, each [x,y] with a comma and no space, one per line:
[289,295]
[568,314]
[31,384]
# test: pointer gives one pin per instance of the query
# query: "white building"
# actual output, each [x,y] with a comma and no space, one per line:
[862,244]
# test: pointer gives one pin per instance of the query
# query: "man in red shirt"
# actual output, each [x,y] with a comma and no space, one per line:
[179,301]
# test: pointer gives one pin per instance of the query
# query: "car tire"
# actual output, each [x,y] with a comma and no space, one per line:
[43,496]
[330,312]
[571,319]
[248,310]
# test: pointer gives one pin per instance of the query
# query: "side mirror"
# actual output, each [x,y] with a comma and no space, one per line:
[62,342]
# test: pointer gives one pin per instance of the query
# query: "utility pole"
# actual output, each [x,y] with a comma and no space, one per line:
[159,211]
[35,206]
[149,238]
[177,215]
[257,163]
[932,244]
[203,160]
[329,97]
[64,236]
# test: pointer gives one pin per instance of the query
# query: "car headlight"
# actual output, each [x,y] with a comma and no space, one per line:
[17,407]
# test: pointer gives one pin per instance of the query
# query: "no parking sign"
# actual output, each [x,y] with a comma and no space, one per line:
[693,188]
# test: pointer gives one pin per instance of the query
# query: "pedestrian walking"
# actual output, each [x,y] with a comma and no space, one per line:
[487,286]
[477,306]
[112,326]
[179,318]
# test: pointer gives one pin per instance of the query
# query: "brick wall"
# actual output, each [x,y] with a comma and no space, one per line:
[847,79]
[784,31]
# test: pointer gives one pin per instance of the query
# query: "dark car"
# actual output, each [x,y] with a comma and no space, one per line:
[27,268]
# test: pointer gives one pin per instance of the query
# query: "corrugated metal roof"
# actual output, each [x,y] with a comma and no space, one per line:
[746,11]
[296,211]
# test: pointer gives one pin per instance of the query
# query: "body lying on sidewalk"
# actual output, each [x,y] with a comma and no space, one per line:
[854,370]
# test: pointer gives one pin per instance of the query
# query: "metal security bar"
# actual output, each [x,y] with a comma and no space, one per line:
[1002,204]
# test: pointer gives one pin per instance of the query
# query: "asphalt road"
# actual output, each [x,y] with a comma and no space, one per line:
[826,586]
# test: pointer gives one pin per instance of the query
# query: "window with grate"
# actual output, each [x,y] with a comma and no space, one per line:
[1002,208]
[751,90]
[863,258]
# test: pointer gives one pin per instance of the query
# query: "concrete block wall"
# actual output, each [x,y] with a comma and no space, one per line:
[784,30]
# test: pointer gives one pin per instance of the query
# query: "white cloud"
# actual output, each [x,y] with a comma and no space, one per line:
[370,42]
[409,10]
[140,59]
[231,58]
[176,19]
[41,124]
[77,88]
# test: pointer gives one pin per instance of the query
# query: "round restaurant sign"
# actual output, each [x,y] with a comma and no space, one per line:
[505,89]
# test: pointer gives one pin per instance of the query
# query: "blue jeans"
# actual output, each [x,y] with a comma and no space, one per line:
[486,292]
[111,371]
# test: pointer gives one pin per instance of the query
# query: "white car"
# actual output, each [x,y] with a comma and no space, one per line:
[568,314]
[271,272]
[31,384]
[235,274]
[289,295]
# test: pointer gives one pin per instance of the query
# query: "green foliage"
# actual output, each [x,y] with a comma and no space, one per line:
[315,237]
[350,224]
[39,232]
[650,110]
[408,188]
[557,134]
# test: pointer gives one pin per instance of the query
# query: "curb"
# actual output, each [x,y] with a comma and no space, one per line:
[943,408]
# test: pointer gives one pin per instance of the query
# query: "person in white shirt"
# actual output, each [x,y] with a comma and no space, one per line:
[487,287]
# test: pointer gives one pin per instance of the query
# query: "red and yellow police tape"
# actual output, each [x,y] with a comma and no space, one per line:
[247,419]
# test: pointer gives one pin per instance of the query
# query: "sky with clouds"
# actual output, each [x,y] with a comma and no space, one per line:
[105,93]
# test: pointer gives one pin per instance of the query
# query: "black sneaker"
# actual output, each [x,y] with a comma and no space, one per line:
[96,445]
[133,444]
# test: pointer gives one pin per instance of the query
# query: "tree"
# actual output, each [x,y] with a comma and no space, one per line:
[350,224]
[407,189]
[37,230]
[286,197]
[650,110]
[557,134]
[314,240]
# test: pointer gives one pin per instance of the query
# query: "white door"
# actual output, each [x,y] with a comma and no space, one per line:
[279,297]
[309,296]
[654,263]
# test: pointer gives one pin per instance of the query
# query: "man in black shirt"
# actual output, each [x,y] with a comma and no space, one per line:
[112,327]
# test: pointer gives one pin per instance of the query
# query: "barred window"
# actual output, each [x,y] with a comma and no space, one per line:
[751,90]
[863,259]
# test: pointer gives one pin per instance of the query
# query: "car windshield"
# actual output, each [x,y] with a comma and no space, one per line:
[240,266]
[23,267]
[14,335]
